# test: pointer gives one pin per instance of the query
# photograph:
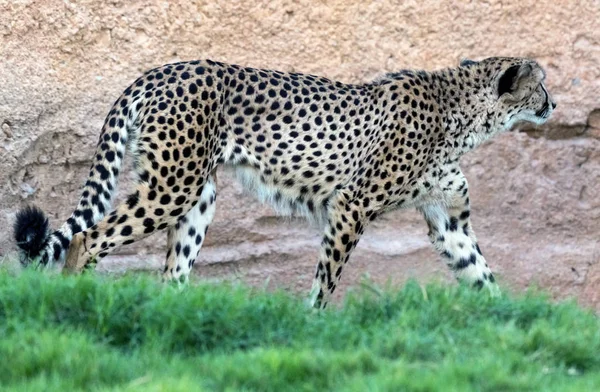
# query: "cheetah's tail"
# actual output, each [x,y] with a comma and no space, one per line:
[31,230]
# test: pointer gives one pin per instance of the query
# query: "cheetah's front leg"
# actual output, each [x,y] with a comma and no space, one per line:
[345,225]
[452,236]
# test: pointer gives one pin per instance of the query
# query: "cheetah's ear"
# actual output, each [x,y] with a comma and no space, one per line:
[467,63]
[516,81]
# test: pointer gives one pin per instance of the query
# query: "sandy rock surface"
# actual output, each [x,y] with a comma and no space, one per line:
[535,193]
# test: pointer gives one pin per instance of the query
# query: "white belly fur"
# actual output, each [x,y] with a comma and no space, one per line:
[284,201]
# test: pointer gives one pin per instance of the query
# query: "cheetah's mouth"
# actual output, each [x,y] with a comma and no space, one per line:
[544,112]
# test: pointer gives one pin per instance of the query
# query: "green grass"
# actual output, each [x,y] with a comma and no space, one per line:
[132,333]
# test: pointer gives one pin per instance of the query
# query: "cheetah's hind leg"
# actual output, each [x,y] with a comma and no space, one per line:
[139,217]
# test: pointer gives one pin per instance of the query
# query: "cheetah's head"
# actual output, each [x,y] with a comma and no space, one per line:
[513,92]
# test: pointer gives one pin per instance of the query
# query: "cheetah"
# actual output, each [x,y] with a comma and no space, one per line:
[339,154]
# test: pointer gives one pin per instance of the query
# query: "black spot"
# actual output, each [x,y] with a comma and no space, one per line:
[462,264]
[336,255]
[57,251]
[104,173]
[165,199]
[453,224]
[148,222]
[478,249]
[176,212]
[88,215]
[132,200]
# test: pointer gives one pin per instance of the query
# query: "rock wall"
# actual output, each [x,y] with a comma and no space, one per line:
[535,193]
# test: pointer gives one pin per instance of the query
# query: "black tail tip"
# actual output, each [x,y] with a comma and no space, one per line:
[31,230]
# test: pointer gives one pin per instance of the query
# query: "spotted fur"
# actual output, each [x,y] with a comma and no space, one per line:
[341,154]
